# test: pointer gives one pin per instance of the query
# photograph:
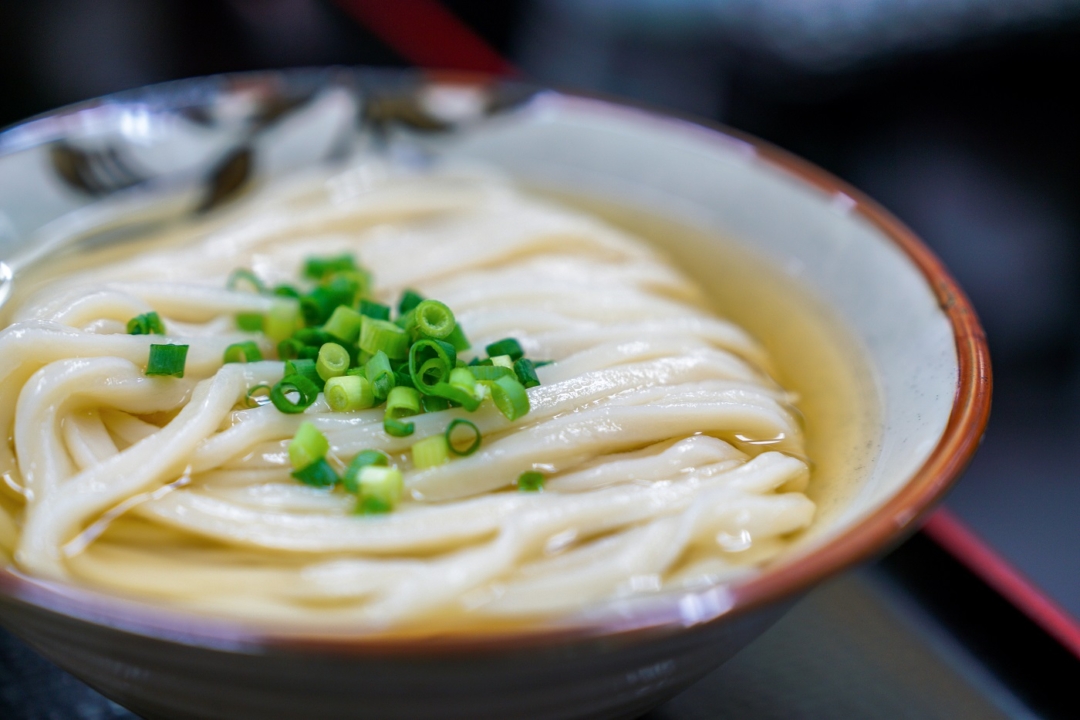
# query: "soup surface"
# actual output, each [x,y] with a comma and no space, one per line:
[682,415]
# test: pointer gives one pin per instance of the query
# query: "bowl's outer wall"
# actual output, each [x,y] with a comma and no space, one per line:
[605,670]
[592,678]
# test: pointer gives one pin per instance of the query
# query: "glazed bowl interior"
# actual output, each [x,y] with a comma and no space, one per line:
[922,343]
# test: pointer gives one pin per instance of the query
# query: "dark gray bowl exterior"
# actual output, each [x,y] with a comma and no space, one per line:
[601,677]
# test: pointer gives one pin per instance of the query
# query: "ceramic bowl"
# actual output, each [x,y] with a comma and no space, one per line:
[195,144]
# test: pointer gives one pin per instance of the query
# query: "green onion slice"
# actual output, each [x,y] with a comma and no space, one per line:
[306,368]
[242,276]
[167,360]
[318,267]
[375,310]
[307,446]
[457,339]
[380,375]
[397,428]
[525,370]
[259,391]
[361,461]
[307,390]
[243,352]
[344,324]
[430,363]
[433,403]
[531,481]
[317,474]
[402,402]
[380,483]
[506,346]
[409,300]
[430,452]
[250,322]
[380,335]
[282,320]
[289,349]
[476,436]
[333,361]
[146,324]
[491,372]
[509,396]
[348,393]
[434,319]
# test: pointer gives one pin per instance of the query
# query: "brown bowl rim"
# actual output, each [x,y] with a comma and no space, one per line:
[898,517]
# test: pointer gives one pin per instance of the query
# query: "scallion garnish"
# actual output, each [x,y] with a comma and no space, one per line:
[289,349]
[402,402]
[361,461]
[509,396]
[380,335]
[348,393]
[167,360]
[457,339]
[305,368]
[242,276]
[434,319]
[282,320]
[146,324]
[449,435]
[379,488]
[374,310]
[317,268]
[317,474]
[525,370]
[430,452]
[333,361]
[409,300]
[250,322]
[344,324]
[306,390]
[398,428]
[243,352]
[430,363]
[380,375]
[259,391]
[531,481]
[506,346]
[307,446]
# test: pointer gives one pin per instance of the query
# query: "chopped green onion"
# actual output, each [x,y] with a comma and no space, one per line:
[461,389]
[509,396]
[432,403]
[249,322]
[289,349]
[313,337]
[457,339]
[243,276]
[317,474]
[282,320]
[318,267]
[333,361]
[541,363]
[305,368]
[490,372]
[308,352]
[382,484]
[430,452]
[434,319]
[376,335]
[380,375]
[261,390]
[316,306]
[402,402]
[307,446]
[531,481]
[449,435]
[402,378]
[374,310]
[409,300]
[244,352]
[361,461]
[506,346]
[430,363]
[286,291]
[503,361]
[167,360]
[344,324]
[348,393]
[525,370]
[359,371]
[307,390]
[146,324]
[397,428]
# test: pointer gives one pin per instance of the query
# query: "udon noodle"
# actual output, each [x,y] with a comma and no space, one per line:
[671,457]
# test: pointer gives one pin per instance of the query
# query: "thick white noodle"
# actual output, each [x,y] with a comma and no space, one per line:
[649,426]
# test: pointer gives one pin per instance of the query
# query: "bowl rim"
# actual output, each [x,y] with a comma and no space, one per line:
[885,527]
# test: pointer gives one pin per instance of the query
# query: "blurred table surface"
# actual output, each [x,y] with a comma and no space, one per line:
[861,646]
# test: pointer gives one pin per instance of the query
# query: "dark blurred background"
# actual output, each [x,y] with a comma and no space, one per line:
[957,115]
